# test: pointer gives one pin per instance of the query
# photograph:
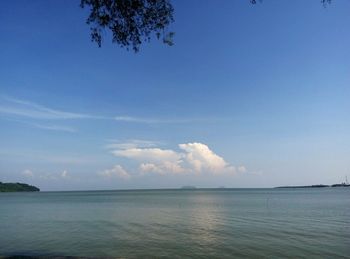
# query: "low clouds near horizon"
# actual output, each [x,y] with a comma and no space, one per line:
[191,158]
[47,176]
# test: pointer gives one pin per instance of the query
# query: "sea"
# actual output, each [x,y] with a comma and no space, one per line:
[177,223]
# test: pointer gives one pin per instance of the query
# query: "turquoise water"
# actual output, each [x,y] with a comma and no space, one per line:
[254,223]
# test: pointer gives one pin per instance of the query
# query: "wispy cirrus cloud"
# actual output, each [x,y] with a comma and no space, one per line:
[136,119]
[54,127]
[31,113]
[21,108]
[38,116]
[131,143]
[145,120]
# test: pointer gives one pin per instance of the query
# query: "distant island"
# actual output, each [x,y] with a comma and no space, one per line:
[188,187]
[17,187]
[317,186]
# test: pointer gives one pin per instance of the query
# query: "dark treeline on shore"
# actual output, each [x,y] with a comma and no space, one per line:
[318,186]
[17,187]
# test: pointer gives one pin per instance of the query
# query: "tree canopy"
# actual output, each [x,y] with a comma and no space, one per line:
[130,21]
[133,21]
[324,2]
[17,187]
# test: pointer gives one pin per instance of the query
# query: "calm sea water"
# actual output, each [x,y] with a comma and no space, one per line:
[254,223]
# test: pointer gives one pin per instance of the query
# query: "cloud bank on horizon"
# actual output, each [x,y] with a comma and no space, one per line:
[27,173]
[192,158]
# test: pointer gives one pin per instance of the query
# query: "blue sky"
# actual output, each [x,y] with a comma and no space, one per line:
[249,96]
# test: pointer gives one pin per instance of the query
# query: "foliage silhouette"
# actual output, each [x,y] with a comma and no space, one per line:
[324,2]
[134,21]
[17,187]
[130,21]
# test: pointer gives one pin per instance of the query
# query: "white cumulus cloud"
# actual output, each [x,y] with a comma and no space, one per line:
[149,154]
[201,158]
[162,168]
[117,171]
[194,158]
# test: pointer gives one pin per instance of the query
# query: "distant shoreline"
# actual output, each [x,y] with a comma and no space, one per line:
[317,186]
[183,188]
[17,187]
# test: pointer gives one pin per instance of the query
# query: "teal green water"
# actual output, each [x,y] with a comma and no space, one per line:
[222,223]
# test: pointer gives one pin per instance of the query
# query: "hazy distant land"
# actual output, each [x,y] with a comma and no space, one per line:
[317,186]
